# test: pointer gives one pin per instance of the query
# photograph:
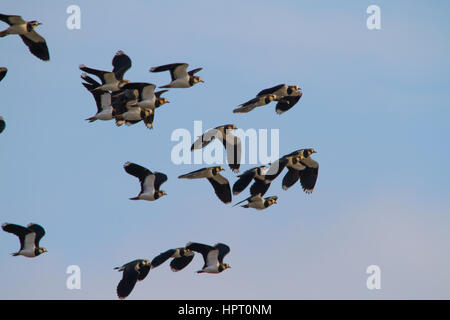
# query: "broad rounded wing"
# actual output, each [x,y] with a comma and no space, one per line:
[203,249]
[2,124]
[19,231]
[160,178]
[38,230]
[3,72]
[180,263]
[177,70]
[308,176]
[221,187]
[36,44]
[243,181]
[259,187]
[137,171]
[290,178]
[270,90]
[11,19]
[233,148]
[223,250]
[162,257]
[143,272]
[205,139]
[286,103]
[121,63]
[275,169]
[129,279]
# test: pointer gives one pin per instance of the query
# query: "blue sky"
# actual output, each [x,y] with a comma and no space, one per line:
[375,107]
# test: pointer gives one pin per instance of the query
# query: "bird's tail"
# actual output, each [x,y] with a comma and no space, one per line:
[245,206]
[91,119]
[166,86]
[15,254]
[3,33]
[135,198]
[200,271]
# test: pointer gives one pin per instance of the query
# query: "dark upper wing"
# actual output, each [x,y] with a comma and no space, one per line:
[3,72]
[121,63]
[96,72]
[286,103]
[170,67]
[223,250]
[136,170]
[290,178]
[159,93]
[308,176]
[233,148]
[205,139]
[194,71]
[129,279]
[36,44]
[243,181]
[203,249]
[143,272]
[90,81]
[95,94]
[270,90]
[40,232]
[11,19]
[2,125]
[180,263]
[160,178]
[221,187]
[259,187]
[275,169]
[162,257]
[19,231]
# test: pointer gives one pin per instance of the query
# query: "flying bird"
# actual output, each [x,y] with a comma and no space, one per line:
[133,272]
[220,183]
[212,256]
[126,111]
[150,182]
[2,124]
[110,81]
[121,64]
[287,96]
[246,178]
[35,43]
[255,102]
[29,237]
[259,203]
[181,78]
[105,110]
[3,72]
[307,171]
[181,257]
[231,143]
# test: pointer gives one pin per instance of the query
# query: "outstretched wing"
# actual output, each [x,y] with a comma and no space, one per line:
[38,230]
[11,19]
[286,103]
[270,90]
[180,263]
[243,181]
[221,187]
[233,148]
[223,251]
[36,44]
[121,63]
[205,139]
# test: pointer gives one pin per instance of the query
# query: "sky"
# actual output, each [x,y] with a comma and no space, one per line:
[375,107]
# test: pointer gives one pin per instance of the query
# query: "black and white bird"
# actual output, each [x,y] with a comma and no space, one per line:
[246,178]
[133,272]
[150,182]
[2,124]
[220,183]
[105,110]
[287,96]
[231,142]
[25,29]
[307,171]
[259,203]
[181,257]
[212,256]
[3,72]
[110,81]
[181,78]
[29,237]
[127,112]
[255,102]
[147,97]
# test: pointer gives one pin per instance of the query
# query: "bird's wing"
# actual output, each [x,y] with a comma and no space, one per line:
[143,272]
[308,176]
[10,19]
[148,91]
[233,148]
[223,250]
[159,93]
[194,71]
[121,63]
[96,94]
[243,181]
[270,90]
[221,187]
[177,70]
[286,103]
[197,174]
[96,72]
[38,230]
[290,178]
[203,249]
[162,257]
[259,187]
[2,125]
[3,72]
[129,279]
[160,178]
[205,139]
[180,263]
[91,81]
[19,231]
[36,44]
[136,170]
[275,169]
[247,106]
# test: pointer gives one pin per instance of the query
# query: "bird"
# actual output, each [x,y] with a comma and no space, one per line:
[306,171]
[25,29]
[287,96]
[2,124]
[147,98]
[181,258]
[220,183]
[246,178]
[126,111]
[181,78]
[212,256]
[150,182]
[110,80]
[29,237]
[121,64]
[255,102]
[259,203]
[133,272]
[231,142]
[3,72]
[105,110]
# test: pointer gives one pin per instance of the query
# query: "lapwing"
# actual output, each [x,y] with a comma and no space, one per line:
[3,72]
[259,203]
[220,183]
[306,171]
[231,143]
[181,257]
[150,182]
[287,96]
[29,237]
[255,102]
[133,272]
[110,81]
[247,177]
[212,256]
[181,78]
[35,43]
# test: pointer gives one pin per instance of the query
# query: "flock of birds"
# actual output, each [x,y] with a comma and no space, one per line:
[128,103]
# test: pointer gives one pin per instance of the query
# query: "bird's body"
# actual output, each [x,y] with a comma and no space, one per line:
[25,29]
[220,183]
[150,182]
[212,256]
[287,96]
[181,78]
[306,170]
[133,272]
[29,237]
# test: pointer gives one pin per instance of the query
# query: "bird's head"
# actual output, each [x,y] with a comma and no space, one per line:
[226,266]
[217,169]
[34,24]
[42,250]
[308,152]
[197,79]
[162,101]
[273,97]
[161,193]
[145,262]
